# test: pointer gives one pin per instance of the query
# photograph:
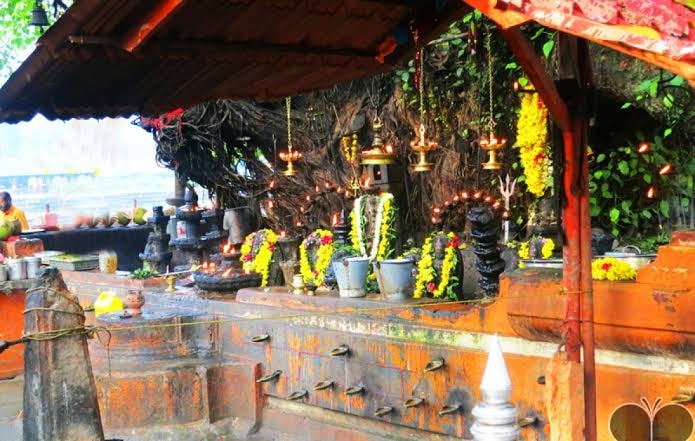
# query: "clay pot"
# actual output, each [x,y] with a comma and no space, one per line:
[134,301]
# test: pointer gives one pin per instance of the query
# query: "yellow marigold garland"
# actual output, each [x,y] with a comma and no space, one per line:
[425,268]
[316,275]
[610,268]
[358,235]
[389,216]
[532,141]
[260,262]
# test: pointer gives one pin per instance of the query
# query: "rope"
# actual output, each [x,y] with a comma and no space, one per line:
[63,311]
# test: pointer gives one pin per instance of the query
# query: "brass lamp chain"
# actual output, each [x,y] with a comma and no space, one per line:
[422,87]
[491,121]
[288,104]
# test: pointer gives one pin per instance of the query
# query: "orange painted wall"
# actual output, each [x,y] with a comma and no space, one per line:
[11,326]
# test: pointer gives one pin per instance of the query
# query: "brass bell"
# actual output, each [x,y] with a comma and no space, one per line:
[38,15]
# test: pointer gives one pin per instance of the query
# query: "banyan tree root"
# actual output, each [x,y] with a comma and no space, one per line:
[485,230]
[60,397]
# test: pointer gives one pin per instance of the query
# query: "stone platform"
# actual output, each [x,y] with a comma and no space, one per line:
[390,352]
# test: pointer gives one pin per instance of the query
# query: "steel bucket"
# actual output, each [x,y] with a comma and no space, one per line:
[395,278]
[351,275]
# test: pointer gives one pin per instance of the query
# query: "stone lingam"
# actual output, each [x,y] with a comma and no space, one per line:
[215,236]
[287,252]
[156,253]
[485,230]
[189,241]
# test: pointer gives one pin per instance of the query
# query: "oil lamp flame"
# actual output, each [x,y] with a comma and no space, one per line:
[227,273]
[283,234]
[389,148]
[334,221]
[651,192]
[643,148]
[316,188]
[366,183]
[666,169]
[225,249]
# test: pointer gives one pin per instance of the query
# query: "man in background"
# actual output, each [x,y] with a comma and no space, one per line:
[9,212]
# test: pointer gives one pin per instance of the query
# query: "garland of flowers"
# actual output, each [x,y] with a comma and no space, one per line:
[532,140]
[383,224]
[316,275]
[529,249]
[426,272]
[260,261]
[610,268]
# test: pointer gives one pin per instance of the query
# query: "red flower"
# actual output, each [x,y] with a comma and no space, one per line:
[539,158]
[325,240]
[606,266]
[248,258]
[271,247]
[454,242]
[431,287]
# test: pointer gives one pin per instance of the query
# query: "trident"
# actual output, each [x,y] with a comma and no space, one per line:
[507,190]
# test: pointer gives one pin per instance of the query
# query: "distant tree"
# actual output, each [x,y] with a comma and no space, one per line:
[16,36]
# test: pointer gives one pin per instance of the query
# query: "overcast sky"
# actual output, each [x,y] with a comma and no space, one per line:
[111,146]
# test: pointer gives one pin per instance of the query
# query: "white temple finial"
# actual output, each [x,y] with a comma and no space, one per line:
[496,418]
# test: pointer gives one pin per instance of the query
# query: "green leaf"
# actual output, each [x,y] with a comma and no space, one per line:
[647,178]
[647,214]
[644,85]
[668,101]
[600,158]
[615,232]
[614,215]
[405,76]
[623,167]
[548,48]
[668,132]
[626,204]
[677,81]
[523,81]
[664,208]
[653,88]
[598,174]
[626,105]
[511,66]
[685,202]
[595,210]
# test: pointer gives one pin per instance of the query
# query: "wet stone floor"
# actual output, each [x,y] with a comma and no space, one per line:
[11,423]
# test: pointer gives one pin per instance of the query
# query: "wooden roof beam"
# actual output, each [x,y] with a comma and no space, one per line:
[533,66]
[143,30]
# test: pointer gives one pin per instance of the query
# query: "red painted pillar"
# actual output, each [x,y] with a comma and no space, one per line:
[571,247]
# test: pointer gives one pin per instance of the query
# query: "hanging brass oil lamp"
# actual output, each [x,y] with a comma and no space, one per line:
[491,143]
[422,145]
[290,156]
[378,154]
